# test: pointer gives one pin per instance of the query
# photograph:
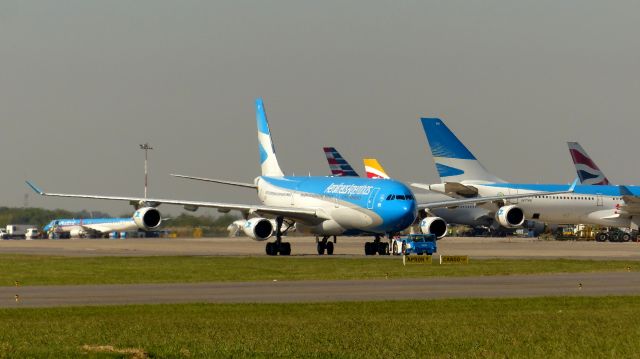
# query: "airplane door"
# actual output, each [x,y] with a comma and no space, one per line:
[513,200]
[372,197]
[599,200]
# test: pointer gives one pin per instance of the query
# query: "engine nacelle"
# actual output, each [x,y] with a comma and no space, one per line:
[147,218]
[77,233]
[434,225]
[510,216]
[259,229]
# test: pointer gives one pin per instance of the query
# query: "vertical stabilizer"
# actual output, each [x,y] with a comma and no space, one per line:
[588,172]
[338,165]
[454,162]
[374,169]
[268,161]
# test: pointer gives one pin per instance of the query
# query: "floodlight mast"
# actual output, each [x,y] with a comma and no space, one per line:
[146,147]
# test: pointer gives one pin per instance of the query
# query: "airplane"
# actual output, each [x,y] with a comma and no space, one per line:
[587,170]
[97,227]
[463,175]
[323,206]
[338,165]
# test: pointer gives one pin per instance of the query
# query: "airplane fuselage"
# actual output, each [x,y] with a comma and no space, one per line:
[346,205]
[588,204]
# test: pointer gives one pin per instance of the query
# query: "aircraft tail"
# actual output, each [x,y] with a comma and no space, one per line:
[374,169]
[588,172]
[454,162]
[268,161]
[338,165]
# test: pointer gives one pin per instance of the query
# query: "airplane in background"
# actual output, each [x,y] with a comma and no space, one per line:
[97,227]
[323,206]
[464,176]
[338,165]
[588,171]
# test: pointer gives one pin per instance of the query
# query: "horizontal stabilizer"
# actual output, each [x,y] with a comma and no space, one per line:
[231,183]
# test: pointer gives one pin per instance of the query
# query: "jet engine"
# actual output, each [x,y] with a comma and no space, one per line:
[510,216]
[434,225]
[147,218]
[77,233]
[258,228]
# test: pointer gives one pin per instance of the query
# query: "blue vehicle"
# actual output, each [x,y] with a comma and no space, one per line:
[415,244]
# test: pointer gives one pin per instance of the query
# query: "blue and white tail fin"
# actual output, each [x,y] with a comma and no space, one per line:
[338,165]
[588,171]
[454,162]
[268,161]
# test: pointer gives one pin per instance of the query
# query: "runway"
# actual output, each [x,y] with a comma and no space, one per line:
[575,284]
[305,246]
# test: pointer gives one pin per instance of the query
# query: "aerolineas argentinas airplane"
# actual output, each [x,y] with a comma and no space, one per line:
[461,173]
[324,206]
[95,227]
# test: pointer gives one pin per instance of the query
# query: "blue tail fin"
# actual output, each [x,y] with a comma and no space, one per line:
[454,162]
[268,161]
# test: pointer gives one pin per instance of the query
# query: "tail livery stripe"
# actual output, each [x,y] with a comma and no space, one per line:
[338,165]
[587,170]
[268,161]
[374,169]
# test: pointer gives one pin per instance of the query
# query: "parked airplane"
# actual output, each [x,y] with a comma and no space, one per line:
[324,206]
[462,174]
[338,165]
[97,227]
[588,171]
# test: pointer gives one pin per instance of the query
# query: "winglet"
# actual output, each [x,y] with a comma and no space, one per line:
[573,185]
[35,189]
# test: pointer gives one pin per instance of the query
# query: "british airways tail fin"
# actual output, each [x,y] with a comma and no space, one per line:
[587,170]
[338,165]
[454,162]
[268,161]
[374,169]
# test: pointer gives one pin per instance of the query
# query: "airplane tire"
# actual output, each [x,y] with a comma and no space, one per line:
[383,248]
[271,249]
[330,248]
[368,249]
[285,248]
[321,248]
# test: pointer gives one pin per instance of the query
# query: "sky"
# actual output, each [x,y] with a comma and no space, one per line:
[83,83]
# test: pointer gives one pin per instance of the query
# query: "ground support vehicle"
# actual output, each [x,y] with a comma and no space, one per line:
[414,244]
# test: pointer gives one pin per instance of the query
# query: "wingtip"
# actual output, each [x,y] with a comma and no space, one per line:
[35,188]
[573,185]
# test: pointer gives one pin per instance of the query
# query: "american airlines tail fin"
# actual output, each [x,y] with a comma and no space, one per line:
[268,161]
[374,169]
[338,165]
[587,170]
[454,162]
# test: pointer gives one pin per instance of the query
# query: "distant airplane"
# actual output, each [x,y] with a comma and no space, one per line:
[95,227]
[374,169]
[587,170]
[462,174]
[338,165]
[323,206]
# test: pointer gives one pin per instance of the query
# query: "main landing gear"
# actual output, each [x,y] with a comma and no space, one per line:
[325,245]
[278,246]
[376,247]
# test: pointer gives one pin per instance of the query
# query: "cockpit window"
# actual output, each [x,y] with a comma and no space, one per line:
[400,197]
[390,197]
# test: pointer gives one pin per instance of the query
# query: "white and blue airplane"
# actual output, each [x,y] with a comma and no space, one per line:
[98,227]
[463,175]
[323,206]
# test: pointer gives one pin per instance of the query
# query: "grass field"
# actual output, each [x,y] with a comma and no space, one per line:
[47,270]
[576,327]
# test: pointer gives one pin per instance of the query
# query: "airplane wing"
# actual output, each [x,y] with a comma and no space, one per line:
[97,228]
[311,215]
[458,202]
[631,202]
[452,188]
[231,183]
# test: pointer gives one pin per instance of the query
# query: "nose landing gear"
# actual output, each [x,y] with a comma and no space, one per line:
[325,245]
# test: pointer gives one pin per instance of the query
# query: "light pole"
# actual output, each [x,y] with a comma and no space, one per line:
[146,147]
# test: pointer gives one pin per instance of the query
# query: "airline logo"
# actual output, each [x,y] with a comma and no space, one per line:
[587,170]
[349,189]
[374,169]
[338,165]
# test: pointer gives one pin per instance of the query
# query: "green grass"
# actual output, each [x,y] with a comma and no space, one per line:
[49,270]
[566,327]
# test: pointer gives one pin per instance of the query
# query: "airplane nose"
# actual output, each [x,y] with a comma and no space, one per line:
[404,215]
